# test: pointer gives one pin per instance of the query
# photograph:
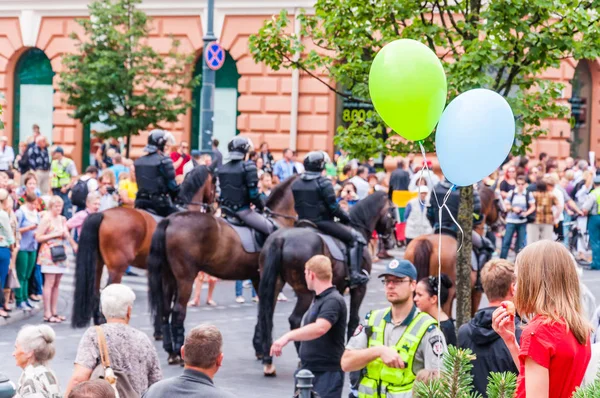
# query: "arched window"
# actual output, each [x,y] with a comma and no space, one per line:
[33,102]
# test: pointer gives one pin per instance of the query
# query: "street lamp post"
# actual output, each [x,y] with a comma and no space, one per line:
[208,86]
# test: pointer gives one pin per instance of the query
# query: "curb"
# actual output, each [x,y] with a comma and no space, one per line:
[18,315]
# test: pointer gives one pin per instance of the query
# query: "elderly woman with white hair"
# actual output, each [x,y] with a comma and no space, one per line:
[34,348]
[131,353]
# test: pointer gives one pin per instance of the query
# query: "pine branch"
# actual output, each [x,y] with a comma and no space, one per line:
[501,385]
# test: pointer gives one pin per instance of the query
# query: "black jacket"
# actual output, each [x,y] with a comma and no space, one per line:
[399,180]
[453,203]
[155,176]
[492,353]
[314,199]
[238,181]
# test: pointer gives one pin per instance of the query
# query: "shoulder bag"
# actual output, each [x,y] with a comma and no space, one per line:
[119,381]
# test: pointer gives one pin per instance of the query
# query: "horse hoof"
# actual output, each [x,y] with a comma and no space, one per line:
[174,359]
[158,336]
[269,371]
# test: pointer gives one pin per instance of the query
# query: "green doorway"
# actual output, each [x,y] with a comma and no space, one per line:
[225,104]
[33,96]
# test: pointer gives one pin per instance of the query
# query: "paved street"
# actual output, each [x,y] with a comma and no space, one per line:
[241,373]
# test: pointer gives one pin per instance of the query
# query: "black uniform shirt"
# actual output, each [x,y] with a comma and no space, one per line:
[325,353]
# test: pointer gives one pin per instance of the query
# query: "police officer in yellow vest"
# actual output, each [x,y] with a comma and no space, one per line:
[63,171]
[591,207]
[394,343]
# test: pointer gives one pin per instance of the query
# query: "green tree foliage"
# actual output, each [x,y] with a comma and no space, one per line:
[116,78]
[503,45]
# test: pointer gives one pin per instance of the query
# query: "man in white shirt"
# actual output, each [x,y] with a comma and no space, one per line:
[361,183]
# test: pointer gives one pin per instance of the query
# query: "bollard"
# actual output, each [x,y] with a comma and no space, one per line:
[7,388]
[305,385]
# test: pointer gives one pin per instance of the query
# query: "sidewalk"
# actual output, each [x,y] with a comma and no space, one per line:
[18,315]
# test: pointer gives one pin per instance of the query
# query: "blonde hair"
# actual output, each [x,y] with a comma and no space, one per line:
[321,266]
[54,200]
[548,285]
[497,276]
[110,175]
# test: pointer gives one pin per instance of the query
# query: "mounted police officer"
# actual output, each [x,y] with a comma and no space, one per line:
[394,344]
[238,180]
[315,201]
[156,176]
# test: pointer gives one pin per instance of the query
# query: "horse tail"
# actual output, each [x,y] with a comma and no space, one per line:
[87,260]
[273,259]
[159,271]
[423,250]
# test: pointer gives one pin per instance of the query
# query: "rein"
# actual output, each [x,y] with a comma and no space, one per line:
[272,213]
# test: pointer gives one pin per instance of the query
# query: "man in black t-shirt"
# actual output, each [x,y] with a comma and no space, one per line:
[323,334]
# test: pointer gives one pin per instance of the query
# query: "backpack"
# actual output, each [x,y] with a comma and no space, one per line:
[528,197]
[79,193]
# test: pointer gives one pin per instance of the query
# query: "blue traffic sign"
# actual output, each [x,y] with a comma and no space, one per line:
[214,56]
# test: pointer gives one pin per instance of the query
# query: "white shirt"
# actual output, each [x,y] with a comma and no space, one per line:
[6,158]
[92,183]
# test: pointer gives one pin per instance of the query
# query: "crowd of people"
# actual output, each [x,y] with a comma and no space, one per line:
[532,326]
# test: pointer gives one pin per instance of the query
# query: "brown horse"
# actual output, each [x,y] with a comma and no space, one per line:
[121,237]
[423,251]
[189,242]
[285,253]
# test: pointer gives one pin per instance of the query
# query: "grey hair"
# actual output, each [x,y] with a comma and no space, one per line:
[115,299]
[94,195]
[39,340]
[582,165]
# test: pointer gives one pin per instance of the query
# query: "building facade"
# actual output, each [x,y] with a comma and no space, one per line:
[285,108]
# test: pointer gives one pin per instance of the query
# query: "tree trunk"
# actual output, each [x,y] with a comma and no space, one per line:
[128,144]
[463,266]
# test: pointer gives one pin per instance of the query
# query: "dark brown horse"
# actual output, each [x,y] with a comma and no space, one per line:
[121,237]
[189,242]
[423,251]
[285,253]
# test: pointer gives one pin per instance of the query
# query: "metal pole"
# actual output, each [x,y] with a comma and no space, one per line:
[305,383]
[207,93]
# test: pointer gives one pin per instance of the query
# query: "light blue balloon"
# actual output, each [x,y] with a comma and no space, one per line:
[474,136]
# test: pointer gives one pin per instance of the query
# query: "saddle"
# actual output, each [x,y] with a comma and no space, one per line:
[336,247]
[252,240]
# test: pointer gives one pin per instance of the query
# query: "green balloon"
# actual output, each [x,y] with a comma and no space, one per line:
[408,88]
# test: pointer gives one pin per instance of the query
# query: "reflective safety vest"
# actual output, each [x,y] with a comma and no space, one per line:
[381,381]
[60,176]
[596,193]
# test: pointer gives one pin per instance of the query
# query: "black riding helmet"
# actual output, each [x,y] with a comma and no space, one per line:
[157,139]
[239,147]
[315,161]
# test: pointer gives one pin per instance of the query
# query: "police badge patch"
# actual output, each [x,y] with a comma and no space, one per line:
[436,345]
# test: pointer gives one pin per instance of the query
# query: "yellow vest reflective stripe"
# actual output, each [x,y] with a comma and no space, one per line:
[60,176]
[596,193]
[381,381]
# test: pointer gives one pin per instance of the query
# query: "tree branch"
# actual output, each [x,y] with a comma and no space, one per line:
[451,16]
[429,39]
[394,23]
[448,33]
[330,87]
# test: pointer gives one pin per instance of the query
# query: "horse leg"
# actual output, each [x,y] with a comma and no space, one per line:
[98,317]
[302,304]
[267,339]
[447,308]
[356,297]
[184,291]
[257,338]
[165,316]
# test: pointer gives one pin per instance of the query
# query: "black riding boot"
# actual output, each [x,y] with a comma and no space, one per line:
[357,276]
